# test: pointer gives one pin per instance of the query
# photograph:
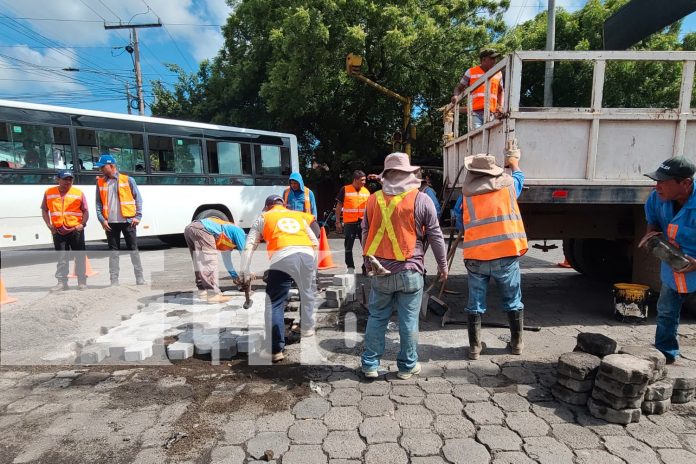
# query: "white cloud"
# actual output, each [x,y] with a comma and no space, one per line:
[524,10]
[21,71]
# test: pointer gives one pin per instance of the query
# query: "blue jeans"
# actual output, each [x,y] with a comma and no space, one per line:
[668,309]
[505,272]
[404,291]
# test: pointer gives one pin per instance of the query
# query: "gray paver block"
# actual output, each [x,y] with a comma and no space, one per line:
[498,438]
[656,407]
[511,402]
[435,385]
[335,293]
[580,386]
[413,416]
[527,424]
[305,454]
[382,453]
[344,445]
[421,442]
[375,388]
[597,344]
[343,418]
[575,436]
[616,402]
[609,414]
[619,388]
[180,350]
[407,394]
[428,460]
[683,396]
[380,430]
[547,450]
[24,405]
[655,436]
[578,365]
[630,450]
[484,367]
[442,403]
[674,423]
[596,457]
[677,456]
[276,422]
[519,374]
[311,408]
[553,412]
[649,353]
[470,393]
[138,351]
[566,395]
[227,455]
[345,397]
[454,426]
[307,432]
[239,431]
[275,441]
[94,354]
[626,368]
[344,380]
[249,343]
[484,413]
[373,406]
[465,451]
[684,376]
[659,391]
[512,457]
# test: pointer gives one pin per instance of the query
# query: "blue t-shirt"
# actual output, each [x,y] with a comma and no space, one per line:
[234,233]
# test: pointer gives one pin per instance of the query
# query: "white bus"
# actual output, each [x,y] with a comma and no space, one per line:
[184,170]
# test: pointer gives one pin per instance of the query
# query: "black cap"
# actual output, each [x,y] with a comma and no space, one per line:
[492,52]
[272,200]
[678,167]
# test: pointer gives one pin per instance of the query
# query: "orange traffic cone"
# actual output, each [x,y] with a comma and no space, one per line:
[88,269]
[4,297]
[325,259]
[564,264]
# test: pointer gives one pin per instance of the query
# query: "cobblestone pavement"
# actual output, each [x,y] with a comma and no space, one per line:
[497,409]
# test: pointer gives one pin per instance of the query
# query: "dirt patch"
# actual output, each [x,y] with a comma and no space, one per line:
[135,395]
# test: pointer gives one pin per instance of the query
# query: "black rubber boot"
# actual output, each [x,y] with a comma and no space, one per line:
[516,319]
[474,326]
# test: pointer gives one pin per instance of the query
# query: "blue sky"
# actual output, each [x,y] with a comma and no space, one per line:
[41,38]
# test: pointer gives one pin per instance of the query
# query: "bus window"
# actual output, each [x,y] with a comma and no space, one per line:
[35,147]
[126,147]
[229,158]
[272,160]
[176,154]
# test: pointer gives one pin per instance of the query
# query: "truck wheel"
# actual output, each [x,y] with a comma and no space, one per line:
[177,240]
[569,253]
[606,260]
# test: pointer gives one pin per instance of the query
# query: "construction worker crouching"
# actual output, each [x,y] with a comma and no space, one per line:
[205,238]
[494,239]
[350,202]
[397,221]
[292,248]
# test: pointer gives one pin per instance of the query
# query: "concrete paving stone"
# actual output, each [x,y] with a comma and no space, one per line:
[689,440]
[427,460]
[465,451]
[620,388]
[421,442]
[344,380]
[596,344]
[599,426]
[430,370]
[443,403]
[674,423]
[553,412]
[159,455]
[575,436]
[226,455]
[616,402]
[344,461]
[630,450]
[659,374]
[626,368]
[459,376]
[676,456]
[307,432]
[547,450]
[375,388]
[305,454]
[683,396]
[237,431]
[24,405]
[380,430]
[511,402]
[511,457]
[344,445]
[684,376]
[374,406]
[483,367]
[519,374]
[454,426]
[535,393]
[90,379]
[649,353]
[659,391]
[653,435]
[32,380]
[407,394]
[180,350]
[526,424]
[579,386]
[343,418]
[413,416]
[494,382]
[383,453]
[275,441]
[656,407]
[609,414]
[470,393]
[276,422]
[138,351]
[578,365]
[484,413]
[568,396]
[498,438]
[94,354]
[596,457]
[435,385]
[249,343]
[345,397]
[311,408]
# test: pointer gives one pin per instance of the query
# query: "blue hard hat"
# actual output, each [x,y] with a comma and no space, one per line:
[104,160]
[62,174]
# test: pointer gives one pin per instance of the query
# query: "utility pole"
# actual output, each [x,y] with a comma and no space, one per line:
[550,45]
[135,49]
[128,97]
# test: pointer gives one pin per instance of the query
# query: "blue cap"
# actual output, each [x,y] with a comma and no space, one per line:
[64,173]
[104,160]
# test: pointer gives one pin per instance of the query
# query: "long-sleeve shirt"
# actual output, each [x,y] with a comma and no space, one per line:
[115,206]
[426,220]
[234,233]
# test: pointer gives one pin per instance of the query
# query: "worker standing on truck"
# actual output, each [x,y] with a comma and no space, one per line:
[494,240]
[350,203]
[297,197]
[488,58]
[671,210]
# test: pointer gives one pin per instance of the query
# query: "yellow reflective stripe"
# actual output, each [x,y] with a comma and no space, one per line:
[387,225]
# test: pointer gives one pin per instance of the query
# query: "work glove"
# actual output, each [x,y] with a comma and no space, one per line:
[512,150]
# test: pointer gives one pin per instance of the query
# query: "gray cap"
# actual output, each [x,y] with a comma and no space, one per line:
[673,168]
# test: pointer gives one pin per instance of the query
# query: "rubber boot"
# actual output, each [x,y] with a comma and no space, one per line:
[516,320]
[474,326]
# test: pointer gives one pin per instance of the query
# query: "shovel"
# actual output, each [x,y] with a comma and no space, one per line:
[435,303]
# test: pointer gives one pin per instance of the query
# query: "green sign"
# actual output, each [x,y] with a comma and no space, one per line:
[179,142]
[17,129]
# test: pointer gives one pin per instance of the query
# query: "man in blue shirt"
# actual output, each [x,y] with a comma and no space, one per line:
[297,197]
[205,237]
[671,210]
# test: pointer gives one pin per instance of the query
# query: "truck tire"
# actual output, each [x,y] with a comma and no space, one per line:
[605,260]
[569,253]
[177,240]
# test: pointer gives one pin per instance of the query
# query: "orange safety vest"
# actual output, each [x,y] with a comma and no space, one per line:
[478,95]
[125,196]
[283,228]
[392,221]
[354,203]
[307,203]
[65,210]
[493,226]
[222,241]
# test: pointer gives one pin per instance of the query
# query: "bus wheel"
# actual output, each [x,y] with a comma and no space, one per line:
[208,213]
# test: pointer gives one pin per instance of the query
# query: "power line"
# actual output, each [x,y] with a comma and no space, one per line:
[93,10]
[112,11]
[97,21]
[193,69]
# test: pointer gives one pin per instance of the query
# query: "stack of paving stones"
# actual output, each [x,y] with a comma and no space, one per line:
[576,376]
[684,384]
[656,399]
[341,290]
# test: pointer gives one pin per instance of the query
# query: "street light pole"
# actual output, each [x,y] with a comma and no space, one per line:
[550,45]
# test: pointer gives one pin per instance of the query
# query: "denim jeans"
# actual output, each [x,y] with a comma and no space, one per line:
[404,291]
[66,245]
[351,232]
[505,272]
[668,309]
[113,239]
[476,119]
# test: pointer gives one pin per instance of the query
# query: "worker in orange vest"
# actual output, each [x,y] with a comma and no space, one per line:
[488,58]
[292,248]
[350,204]
[297,197]
[205,238]
[398,219]
[494,240]
[119,210]
[64,210]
